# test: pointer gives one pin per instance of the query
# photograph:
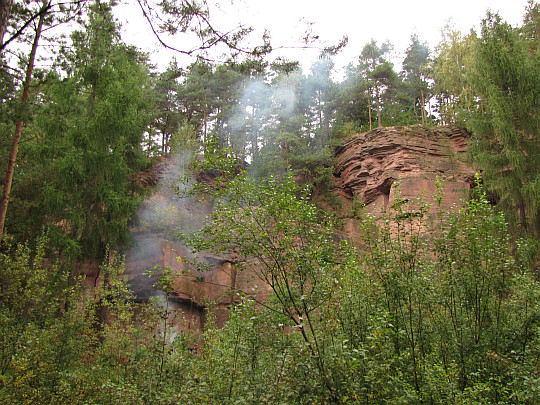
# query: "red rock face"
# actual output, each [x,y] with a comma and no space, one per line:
[195,291]
[163,215]
[369,164]
[188,301]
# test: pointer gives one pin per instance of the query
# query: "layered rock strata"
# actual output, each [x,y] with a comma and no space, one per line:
[367,167]
[369,164]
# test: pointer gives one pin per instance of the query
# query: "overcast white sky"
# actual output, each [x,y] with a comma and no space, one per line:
[393,20]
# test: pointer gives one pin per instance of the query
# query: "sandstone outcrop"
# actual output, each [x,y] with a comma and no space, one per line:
[195,289]
[163,216]
[367,165]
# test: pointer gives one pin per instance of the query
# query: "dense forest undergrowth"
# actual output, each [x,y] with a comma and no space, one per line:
[453,318]
[439,309]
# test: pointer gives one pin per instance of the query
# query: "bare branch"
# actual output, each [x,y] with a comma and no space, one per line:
[18,33]
[156,34]
[209,36]
[46,9]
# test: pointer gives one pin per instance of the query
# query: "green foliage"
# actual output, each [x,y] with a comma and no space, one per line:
[274,229]
[483,283]
[63,344]
[415,84]
[450,318]
[488,82]
[75,172]
[396,318]
[448,69]
[42,334]
[357,207]
[506,79]
[446,330]
[379,75]
[439,310]
[374,88]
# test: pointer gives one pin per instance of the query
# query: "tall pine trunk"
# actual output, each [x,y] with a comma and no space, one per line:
[5,8]
[19,125]
[378,101]
[369,109]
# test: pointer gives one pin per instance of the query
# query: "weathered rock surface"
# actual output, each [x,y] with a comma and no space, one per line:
[195,290]
[367,167]
[162,217]
[369,164]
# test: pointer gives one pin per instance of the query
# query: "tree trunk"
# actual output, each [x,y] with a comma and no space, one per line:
[522,214]
[379,121]
[5,8]
[369,109]
[205,136]
[423,107]
[19,125]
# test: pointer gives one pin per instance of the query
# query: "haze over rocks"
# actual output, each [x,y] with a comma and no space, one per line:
[367,166]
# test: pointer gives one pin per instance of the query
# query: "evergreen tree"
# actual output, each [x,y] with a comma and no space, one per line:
[379,73]
[352,102]
[531,27]
[416,88]
[506,79]
[320,87]
[287,137]
[19,17]
[245,109]
[168,117]
[5,10]
[91,129]
[46,14]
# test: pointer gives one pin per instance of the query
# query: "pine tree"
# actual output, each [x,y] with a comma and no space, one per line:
[92,128]
[321,89]
[352,101]
[5,10]
[506,79]
[379,73]
[20,17]
[416,87]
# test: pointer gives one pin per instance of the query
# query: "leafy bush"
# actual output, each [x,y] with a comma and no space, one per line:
[442,310]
